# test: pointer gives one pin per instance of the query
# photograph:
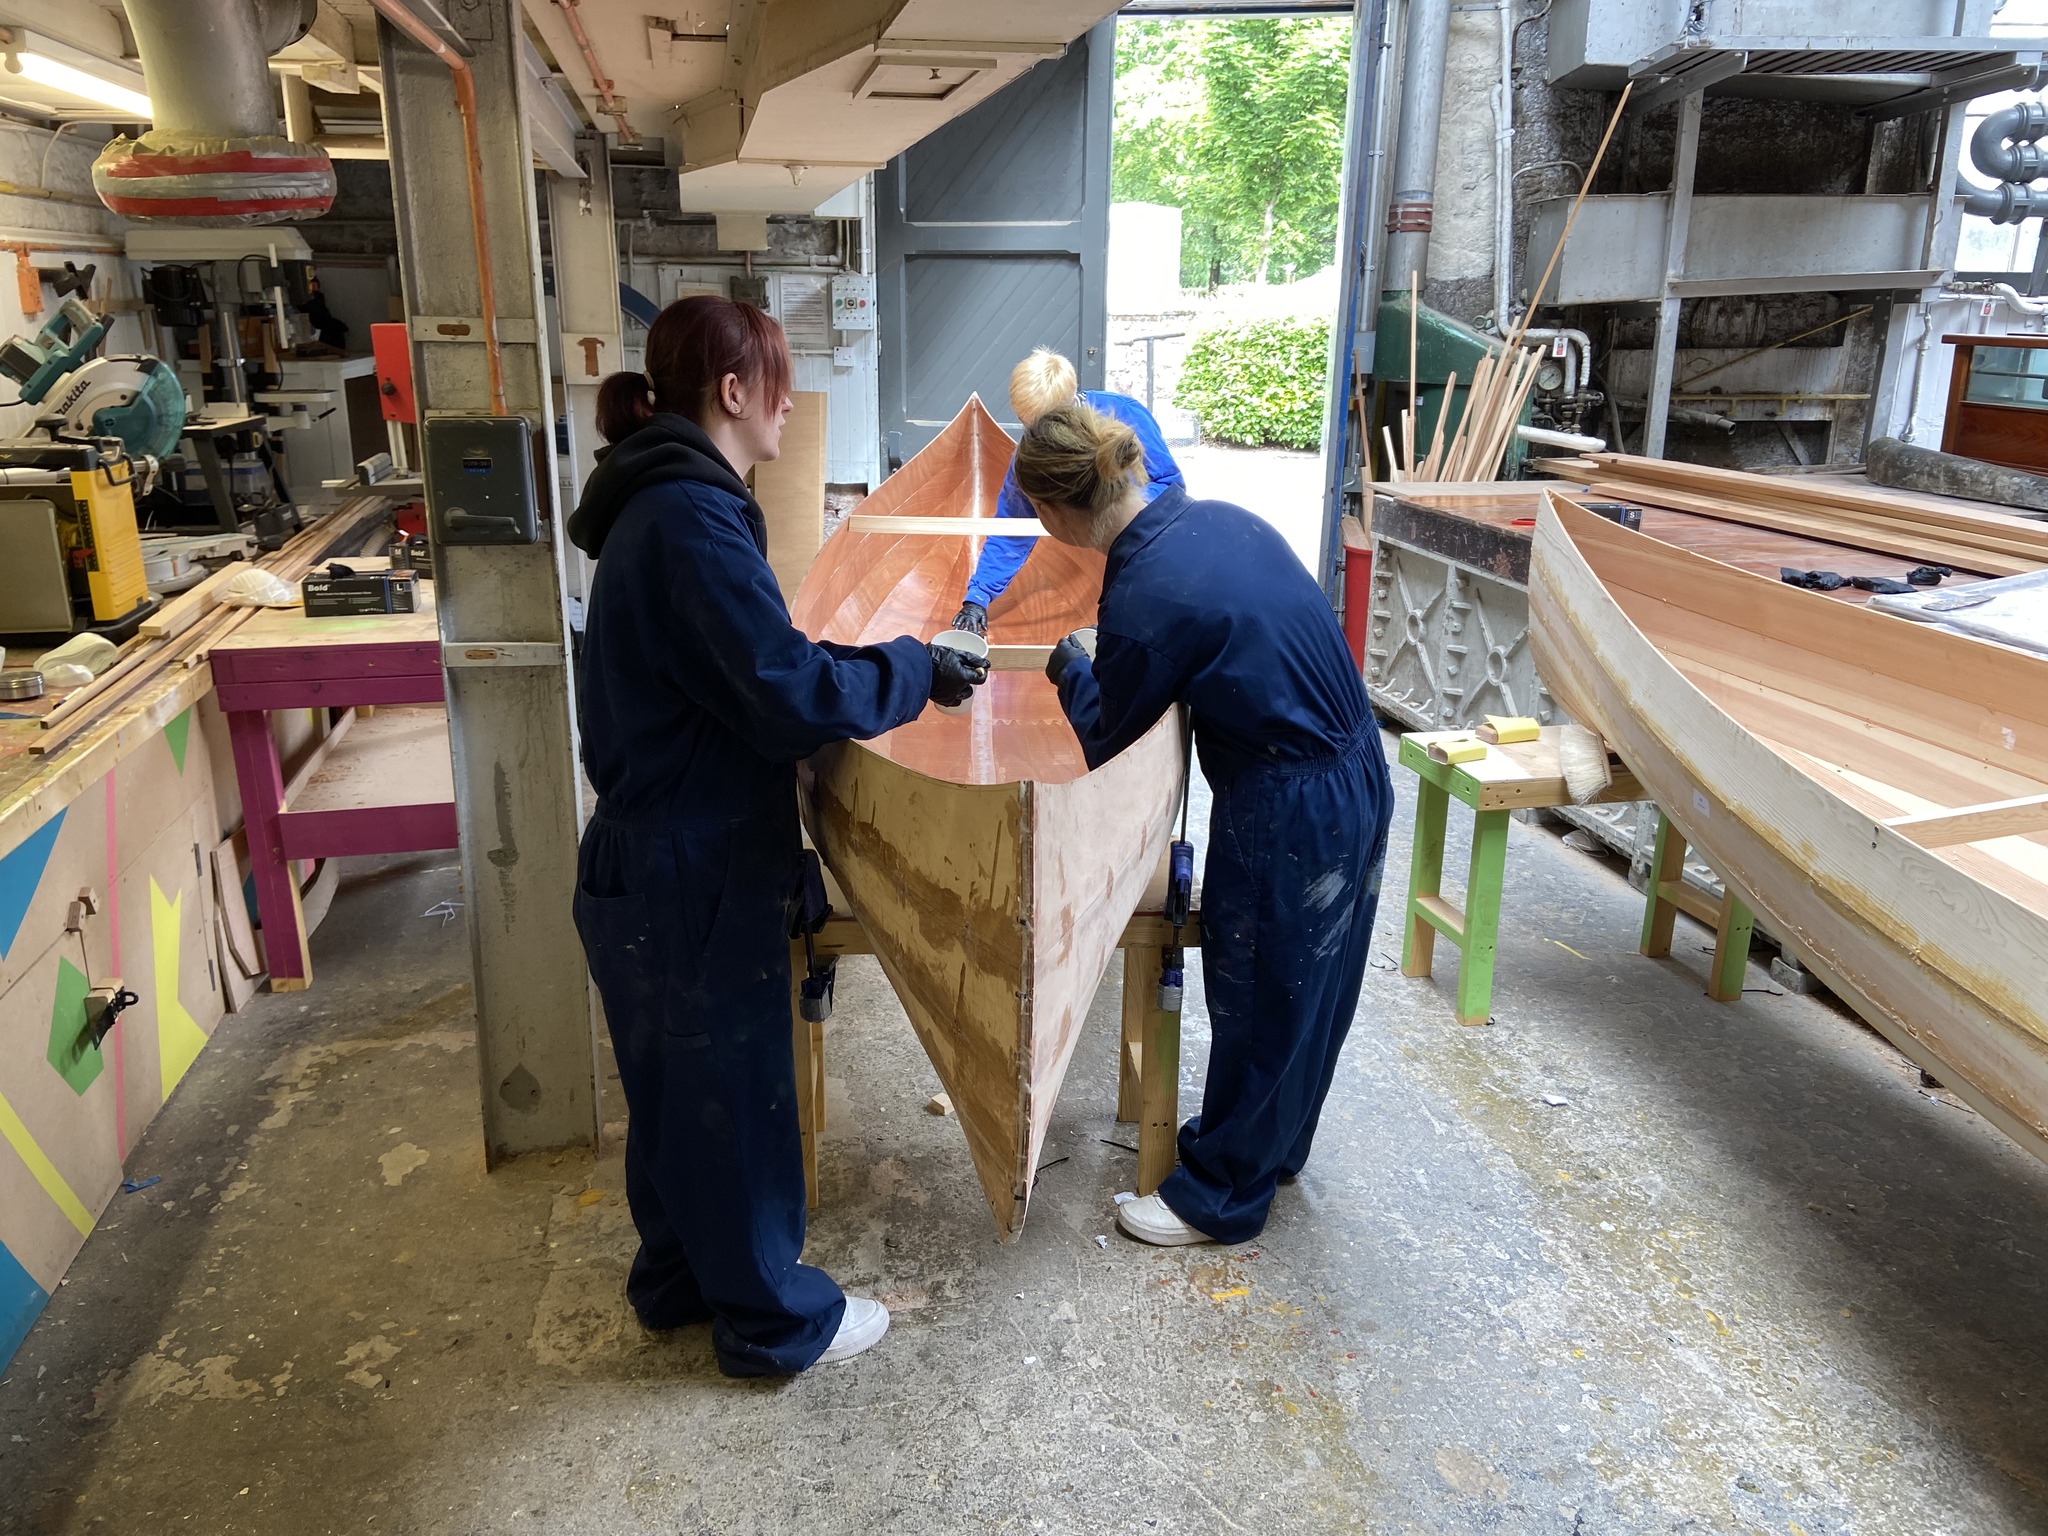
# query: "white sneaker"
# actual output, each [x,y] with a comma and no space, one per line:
[1151,1220]
[860,1327]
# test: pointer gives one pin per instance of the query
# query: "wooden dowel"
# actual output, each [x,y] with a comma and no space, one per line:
[1433,466]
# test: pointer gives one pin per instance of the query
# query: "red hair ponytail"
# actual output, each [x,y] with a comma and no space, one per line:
[692,345]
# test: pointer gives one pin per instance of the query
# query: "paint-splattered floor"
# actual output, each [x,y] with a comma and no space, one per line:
[1748,1276]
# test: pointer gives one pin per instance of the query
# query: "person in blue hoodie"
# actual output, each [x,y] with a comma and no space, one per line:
[696,698]
[1045,381]
[1205,605]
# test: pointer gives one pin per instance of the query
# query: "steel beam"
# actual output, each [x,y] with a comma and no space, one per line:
[1677,228]
[517,789]
[585,254]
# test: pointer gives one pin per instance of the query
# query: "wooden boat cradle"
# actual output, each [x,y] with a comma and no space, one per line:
[992,872]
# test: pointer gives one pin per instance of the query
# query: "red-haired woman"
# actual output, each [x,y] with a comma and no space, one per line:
[697,697]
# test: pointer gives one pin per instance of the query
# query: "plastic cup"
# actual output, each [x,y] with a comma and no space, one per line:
[973,645]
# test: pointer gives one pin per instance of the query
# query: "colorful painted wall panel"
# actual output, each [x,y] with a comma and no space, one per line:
[141,839]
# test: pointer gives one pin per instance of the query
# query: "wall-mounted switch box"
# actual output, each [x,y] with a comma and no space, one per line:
[479,478]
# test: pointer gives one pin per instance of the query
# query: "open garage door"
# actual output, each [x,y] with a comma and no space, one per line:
[991,238]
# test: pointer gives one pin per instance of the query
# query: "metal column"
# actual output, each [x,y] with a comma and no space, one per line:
[1678,226]
[513,725]
[585,251]
[1366,110]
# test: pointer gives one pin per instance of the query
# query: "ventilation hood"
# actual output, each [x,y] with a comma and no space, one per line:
[778,104]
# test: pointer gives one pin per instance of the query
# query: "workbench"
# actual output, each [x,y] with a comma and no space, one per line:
[382,782]
[1148,1058]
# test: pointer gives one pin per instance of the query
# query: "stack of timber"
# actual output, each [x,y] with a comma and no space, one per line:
[1924,528]
[1500,383]
[180,636]
[992,871]
[1877,789]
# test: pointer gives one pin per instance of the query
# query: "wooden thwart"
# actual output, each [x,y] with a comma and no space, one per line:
[977,527]
[2021,817]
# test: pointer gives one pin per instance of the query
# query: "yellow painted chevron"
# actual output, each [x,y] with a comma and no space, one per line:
[39,1164]
[179,1039]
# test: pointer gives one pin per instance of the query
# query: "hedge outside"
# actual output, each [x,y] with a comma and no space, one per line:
[1259,382]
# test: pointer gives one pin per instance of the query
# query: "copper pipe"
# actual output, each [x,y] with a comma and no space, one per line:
[599,80]
[480,230]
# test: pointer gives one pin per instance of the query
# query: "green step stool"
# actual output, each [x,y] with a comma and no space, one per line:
[1669,895]
[1508,778]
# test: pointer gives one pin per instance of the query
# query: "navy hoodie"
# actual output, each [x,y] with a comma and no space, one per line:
[697,695]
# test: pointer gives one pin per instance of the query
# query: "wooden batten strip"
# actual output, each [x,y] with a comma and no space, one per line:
[1974,823]
[978,527]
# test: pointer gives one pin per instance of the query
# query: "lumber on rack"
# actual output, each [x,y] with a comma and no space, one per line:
[136,677]
[1962,538]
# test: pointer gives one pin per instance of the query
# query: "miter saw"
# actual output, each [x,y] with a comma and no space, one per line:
[70,553]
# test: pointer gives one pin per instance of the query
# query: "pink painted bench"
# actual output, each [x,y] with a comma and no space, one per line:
[382,784]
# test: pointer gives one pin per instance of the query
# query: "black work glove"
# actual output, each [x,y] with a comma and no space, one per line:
[955,674]
[1062,657]
[972,617]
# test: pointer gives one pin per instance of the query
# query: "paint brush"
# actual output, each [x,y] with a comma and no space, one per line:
[1582,760]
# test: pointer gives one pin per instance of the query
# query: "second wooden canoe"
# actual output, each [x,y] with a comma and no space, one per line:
[993,873]
[1876,789]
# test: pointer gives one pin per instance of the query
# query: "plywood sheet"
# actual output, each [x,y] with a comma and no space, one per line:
[791,491]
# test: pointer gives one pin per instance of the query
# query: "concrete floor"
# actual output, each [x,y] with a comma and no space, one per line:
[1747,1276]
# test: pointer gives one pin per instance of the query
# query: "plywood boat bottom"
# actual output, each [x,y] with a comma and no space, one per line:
[993,909]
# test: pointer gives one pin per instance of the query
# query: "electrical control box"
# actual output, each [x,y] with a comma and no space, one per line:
[479,477]
[853,302]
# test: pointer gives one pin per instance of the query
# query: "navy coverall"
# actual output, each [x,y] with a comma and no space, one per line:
[1001,559]
[1205,604]
[697,698]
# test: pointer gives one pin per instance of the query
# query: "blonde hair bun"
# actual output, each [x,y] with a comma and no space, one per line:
[1075,457]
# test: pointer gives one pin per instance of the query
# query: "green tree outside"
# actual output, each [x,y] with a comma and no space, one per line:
[1239,124]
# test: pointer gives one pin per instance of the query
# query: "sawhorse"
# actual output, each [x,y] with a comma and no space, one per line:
[1148,1060]
[1669,895]
[1517,776]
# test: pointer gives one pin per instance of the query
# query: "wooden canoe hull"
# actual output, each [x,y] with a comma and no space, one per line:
[1780,767]
[993,873]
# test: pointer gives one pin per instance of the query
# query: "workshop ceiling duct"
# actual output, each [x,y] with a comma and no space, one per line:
[778,104]
[214,155]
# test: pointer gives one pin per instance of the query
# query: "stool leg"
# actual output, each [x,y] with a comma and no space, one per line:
[807,1044]
[1482,916]
[1731,948]
[1159,1071]
[1667,866]
[1425,876]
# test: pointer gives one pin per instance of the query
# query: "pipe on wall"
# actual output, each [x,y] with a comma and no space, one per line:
[1504,175]
[1411,207]
[479,222]
[2003,145]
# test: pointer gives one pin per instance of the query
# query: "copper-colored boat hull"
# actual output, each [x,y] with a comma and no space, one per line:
[992,872]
